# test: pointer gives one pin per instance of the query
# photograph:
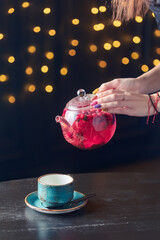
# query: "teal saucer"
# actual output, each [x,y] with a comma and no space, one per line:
[33,202]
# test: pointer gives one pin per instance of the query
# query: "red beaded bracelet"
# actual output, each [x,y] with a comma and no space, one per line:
[154,106]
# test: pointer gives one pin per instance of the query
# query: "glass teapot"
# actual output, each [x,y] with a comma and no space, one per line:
[84,126]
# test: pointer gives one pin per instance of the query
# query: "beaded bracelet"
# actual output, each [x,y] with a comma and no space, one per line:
[155,113]
[149,106]
[155,107]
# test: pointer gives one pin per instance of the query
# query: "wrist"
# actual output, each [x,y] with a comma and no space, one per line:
[142,82]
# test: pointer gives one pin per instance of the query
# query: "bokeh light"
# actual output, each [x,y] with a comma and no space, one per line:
[3,78]
[144,68]
[157,33]
[102,9]
[158,51]
[44,69]
[29,70]
[135,55]
[94,10]
[37,29]
[52,32]
[63,71]
[11,10]
[116,44]
[102,64]
[31,49]
[11,99]
[138,19]
[75,21]
[72,52]
[136,39]
[46,10]
[74,42]
[49,88]
[117,23]
[1,36]
[101,26]
[98,27]
[49,55]
[93,48]
[25,4]
[125,60]
[107,46]
[11,59]
[156,62]
[31,88]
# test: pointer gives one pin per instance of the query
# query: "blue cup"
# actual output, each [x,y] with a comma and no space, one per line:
[55,190]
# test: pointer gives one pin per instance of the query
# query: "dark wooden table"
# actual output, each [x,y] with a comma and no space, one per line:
[127,206]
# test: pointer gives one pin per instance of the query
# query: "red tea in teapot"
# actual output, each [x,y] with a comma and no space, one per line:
[90,130]
[84,126]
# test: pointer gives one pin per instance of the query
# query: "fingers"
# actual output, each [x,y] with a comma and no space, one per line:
[108,92]
[128,104]
[124,111]
[124,99]
[115,104]
[109,85]
[121,102]
[114,97]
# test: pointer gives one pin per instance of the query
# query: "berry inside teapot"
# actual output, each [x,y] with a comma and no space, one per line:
[84,126]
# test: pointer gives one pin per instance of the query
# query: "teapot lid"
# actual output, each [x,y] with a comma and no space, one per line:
[83,100]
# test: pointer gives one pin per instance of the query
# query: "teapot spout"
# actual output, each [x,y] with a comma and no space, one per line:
[62,121]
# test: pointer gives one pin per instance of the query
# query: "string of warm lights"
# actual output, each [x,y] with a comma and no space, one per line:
[73,43]
[31,49]
[100,26]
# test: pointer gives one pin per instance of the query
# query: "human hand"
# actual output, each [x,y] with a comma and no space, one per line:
[123,84]
[122,102]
